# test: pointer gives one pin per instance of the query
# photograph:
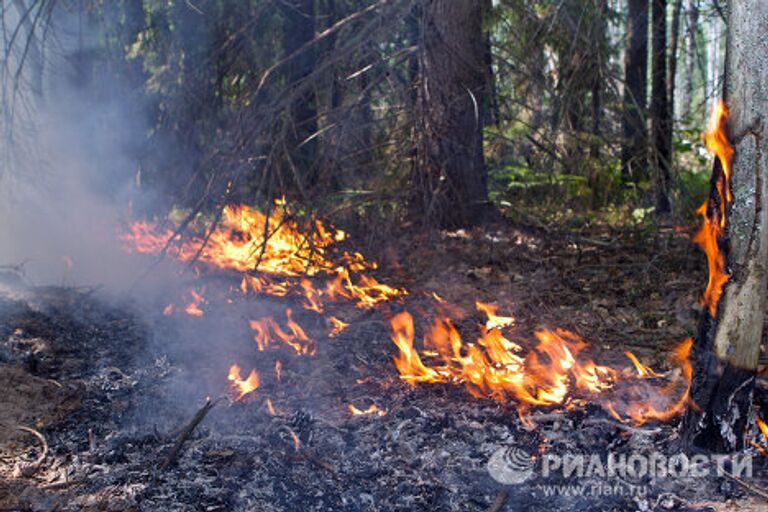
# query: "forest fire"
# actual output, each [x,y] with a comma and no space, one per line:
[198,195]
[555,372]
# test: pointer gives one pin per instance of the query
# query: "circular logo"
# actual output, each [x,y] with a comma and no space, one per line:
[510,466]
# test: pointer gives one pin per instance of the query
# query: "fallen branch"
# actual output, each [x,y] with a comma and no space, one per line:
[196,419]
[750,487]
[27,469]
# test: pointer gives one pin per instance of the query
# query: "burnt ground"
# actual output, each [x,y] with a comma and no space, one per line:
[109,387]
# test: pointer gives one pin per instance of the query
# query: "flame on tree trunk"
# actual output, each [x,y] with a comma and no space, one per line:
[728,346]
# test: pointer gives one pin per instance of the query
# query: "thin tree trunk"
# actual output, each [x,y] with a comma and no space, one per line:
[692,20]
[413,25]
[674,39]
[450,177]
[713,61]
[634,151]
[729,348]
[660,113]
[492,100]
[598,83]
[298,30]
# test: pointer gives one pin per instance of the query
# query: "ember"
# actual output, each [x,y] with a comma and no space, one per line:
[371,409]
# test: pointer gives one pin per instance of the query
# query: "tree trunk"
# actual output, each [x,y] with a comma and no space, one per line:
[634,151]
[599,41]
[713,61]
[492,113]
[728,349]
[661,122]
[450,177]
[298,30]
[674,38]
[692,21]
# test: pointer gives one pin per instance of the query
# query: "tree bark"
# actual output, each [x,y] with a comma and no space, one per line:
[692,21]
[728,349]
[450,178]
[713,61]
[661,121]
[298,30]
[492,113]
[634,151]
[599,42]
[674,39]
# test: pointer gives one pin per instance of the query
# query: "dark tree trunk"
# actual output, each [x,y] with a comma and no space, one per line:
[413,30]
[298,30]
[728,347]
[450,178]
[598,82]
[661,119]
[634,151]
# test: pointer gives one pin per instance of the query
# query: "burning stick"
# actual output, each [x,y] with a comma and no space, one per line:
[196,419]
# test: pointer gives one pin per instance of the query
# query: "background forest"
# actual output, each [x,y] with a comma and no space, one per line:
[437,114]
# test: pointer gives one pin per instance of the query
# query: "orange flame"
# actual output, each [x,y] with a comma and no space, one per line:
[242,386]
[268,332]
[553,373]
[713,210]
[337,326]
[278,369]
[296,441]
[238,243]
[763,428]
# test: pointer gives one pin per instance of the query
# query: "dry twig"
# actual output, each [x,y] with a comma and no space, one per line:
[196,419]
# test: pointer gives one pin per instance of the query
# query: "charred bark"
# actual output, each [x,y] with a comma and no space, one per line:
[661,119]
[450,178]
[634,151]
[728,347]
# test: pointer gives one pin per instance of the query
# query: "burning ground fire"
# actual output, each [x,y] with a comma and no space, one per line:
[554,373]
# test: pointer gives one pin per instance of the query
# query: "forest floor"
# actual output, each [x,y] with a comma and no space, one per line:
[86,373]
